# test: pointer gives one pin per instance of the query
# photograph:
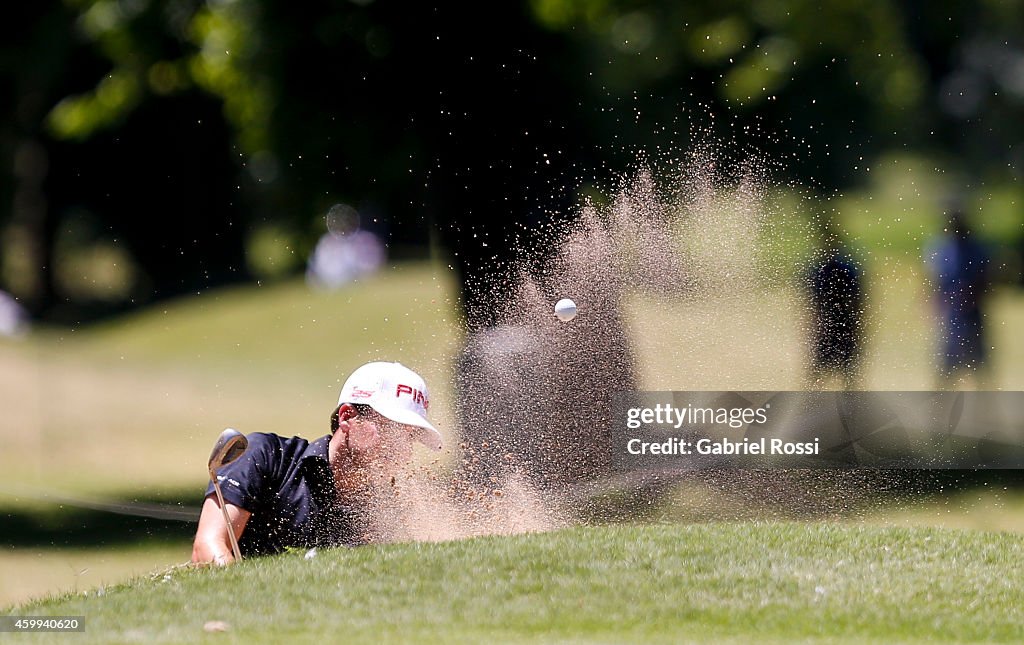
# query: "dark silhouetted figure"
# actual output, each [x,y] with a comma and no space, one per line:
[958,266]
[837,304]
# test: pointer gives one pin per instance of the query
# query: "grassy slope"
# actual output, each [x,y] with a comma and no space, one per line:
[702,583]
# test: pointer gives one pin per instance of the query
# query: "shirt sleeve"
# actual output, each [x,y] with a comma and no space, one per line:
[244,481]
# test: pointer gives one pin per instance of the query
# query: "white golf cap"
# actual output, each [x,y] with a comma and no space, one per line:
[395,392]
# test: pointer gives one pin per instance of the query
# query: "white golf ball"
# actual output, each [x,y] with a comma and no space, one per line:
[565,309]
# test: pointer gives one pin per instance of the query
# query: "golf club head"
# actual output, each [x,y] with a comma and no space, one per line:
[230,445]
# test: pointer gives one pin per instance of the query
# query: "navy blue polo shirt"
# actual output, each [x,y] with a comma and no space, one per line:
[288,487]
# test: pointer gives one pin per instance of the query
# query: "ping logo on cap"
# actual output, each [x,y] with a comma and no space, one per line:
[417,396]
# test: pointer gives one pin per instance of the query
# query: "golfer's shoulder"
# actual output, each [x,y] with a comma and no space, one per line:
[278,447]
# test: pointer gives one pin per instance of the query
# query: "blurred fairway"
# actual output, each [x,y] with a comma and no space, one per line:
[126,411]
[36,573]
[757,341]
[707,583]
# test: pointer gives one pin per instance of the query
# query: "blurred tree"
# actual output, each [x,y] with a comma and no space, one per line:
[198,120]
[818,85]
[104,125]
[451,118]
[181,125]
[39,58]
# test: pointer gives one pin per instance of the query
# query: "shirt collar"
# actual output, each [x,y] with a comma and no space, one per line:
[316,463]
[318,448]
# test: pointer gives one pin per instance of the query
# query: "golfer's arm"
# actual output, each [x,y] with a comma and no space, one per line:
[212,545]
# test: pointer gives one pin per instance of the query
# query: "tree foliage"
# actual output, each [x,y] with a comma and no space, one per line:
[181,126]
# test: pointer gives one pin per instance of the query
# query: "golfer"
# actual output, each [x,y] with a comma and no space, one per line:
[293,493]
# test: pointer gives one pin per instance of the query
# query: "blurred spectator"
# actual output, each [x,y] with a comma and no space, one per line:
[339,259]
[13,317]
[837,303]
[958,267]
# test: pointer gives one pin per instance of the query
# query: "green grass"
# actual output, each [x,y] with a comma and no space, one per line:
[761,582]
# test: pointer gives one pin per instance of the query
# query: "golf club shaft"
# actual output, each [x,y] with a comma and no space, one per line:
[227,521]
